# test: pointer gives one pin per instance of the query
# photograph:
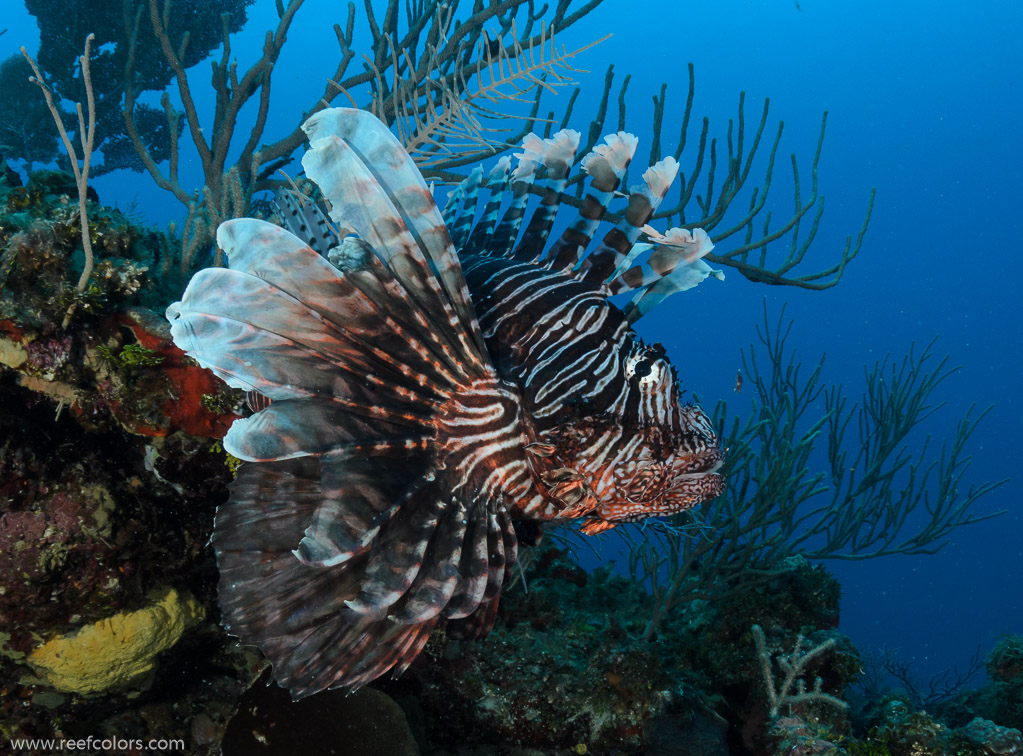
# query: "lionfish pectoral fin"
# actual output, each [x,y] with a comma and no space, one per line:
[476,625]
[295,612]
[361,518]
[369,180]
[383,554]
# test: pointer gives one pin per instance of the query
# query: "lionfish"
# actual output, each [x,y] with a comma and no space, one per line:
[426,383]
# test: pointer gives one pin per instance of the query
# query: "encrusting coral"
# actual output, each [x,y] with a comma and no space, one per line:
[110,470]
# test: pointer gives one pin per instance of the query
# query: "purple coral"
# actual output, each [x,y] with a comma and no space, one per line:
[49,355]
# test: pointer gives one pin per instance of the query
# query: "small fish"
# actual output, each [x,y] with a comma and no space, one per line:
[738,382]
[428,382]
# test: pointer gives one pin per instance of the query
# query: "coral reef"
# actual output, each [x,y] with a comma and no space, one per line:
[898,729]
[991,738]
[110,472]
[1005,667]
[565,670]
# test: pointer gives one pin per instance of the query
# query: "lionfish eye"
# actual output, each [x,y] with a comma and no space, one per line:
[644,369]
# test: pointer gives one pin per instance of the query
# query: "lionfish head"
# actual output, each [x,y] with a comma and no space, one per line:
[659,456]
[660,479]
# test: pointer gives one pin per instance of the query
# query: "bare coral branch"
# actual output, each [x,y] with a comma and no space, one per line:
[435,70]
[792,691]
[86,135]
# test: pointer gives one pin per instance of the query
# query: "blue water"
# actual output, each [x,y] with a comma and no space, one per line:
[924,104]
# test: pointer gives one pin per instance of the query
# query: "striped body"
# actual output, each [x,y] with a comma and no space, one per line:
[556,338]
[573,359]
[421,382]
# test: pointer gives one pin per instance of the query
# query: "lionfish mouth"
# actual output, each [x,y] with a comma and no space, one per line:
[704,479]
[661,489]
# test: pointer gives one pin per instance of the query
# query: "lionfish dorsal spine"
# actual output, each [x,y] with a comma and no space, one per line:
[557,154]
[614,251]
[677,248]
[460,223]
[606,165]
[523,175]
[482,234]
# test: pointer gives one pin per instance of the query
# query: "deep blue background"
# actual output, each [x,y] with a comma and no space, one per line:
[924,102]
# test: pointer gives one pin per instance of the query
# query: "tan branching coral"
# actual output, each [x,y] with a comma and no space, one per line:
[792,690]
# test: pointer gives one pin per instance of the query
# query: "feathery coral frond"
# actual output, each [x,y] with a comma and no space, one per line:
[443,117]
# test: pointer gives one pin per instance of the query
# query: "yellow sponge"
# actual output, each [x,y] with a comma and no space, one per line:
[116,650]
